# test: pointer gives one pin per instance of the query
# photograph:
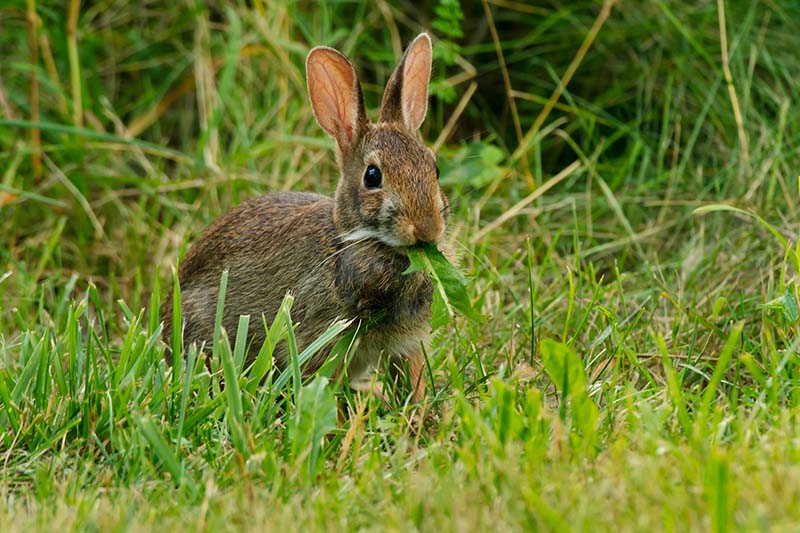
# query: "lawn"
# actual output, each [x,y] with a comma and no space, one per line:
[624,180]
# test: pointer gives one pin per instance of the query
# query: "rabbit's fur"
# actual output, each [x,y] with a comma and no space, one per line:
[341,257]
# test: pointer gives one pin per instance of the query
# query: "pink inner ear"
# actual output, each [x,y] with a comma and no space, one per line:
[332,89]
[416,76]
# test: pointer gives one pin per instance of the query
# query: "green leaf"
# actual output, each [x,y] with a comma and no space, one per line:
[476,165]
[567,372]
[223,288]
[11,410]
[235,414]
[275,332]
[439,312]
[314,418]
[159,445]
[505,418]
[448,18]
[293,370]
[786,304]
[725,356]
[564,366]
[177,326]
[450,285]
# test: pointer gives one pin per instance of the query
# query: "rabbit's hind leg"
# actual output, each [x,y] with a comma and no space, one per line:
[410,369]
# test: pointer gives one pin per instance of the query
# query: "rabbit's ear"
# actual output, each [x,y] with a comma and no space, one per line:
[405,99]
[335,94]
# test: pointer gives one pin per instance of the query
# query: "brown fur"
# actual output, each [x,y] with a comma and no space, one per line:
[341,257]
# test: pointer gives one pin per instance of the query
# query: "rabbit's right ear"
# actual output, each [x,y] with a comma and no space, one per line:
[335,94]
[405,99]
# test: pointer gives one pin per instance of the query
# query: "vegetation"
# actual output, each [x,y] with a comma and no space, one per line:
[624,189]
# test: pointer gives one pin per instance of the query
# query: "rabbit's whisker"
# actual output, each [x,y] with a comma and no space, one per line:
[337,252]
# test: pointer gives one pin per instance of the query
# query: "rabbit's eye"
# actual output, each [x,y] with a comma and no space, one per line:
[437,173]
[373,177]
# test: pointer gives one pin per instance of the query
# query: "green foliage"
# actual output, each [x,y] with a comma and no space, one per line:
[450,285]
[448,18]
[476,165]
[788,246]
[566,370]
[314,418]
[786,304]
[161,450]
[632,352]
[447,26]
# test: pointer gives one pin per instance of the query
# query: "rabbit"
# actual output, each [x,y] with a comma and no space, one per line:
[341,257]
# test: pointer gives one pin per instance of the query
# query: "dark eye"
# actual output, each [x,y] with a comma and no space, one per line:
[437,173]
[373,177]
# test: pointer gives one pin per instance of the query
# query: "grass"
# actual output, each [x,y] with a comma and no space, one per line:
[632,236]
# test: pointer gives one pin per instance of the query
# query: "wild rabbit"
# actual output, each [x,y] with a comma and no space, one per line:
[342,257]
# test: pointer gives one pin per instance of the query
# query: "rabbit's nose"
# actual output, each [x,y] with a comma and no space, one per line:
[428,231]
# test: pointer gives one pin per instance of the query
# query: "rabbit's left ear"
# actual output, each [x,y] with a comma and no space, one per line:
[405,100]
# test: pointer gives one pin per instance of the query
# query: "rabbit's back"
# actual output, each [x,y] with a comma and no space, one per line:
[247,229]
[270,245]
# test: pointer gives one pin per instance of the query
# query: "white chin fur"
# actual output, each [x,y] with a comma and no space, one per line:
[363,234]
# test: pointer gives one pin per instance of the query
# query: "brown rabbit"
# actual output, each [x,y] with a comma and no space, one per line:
[341,257]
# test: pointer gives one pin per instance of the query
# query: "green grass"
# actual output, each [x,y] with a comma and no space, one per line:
[636,253]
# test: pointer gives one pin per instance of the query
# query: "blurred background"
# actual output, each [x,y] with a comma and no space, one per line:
[589,128]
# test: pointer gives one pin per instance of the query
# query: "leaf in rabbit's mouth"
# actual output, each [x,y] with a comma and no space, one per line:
[450,285]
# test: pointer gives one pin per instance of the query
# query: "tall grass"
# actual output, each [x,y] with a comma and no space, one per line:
[624,188]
